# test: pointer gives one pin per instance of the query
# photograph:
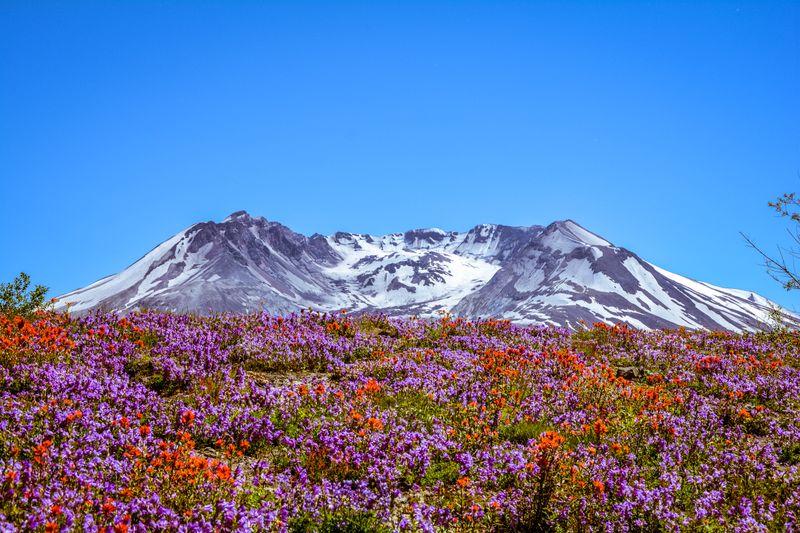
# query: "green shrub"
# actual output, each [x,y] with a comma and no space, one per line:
[522,432]
[16,299]
[446,472]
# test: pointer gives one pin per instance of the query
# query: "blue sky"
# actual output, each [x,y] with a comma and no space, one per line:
[664,127]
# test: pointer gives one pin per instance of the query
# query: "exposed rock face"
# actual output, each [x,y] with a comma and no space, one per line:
[631,373]
[558,274]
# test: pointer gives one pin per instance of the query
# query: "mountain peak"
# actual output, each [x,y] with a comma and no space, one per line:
[238,215]
[575,232]
[559,274]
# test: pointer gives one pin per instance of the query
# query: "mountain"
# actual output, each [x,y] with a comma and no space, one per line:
[555,274]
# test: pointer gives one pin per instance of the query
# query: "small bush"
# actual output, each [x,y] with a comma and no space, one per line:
[522,432]
[16,299]
[446,472]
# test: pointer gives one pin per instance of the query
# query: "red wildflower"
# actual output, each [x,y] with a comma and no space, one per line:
[40,450]
[187,418]
[372,386]
[223,472]
[600,427]
[109,507]
[550,440]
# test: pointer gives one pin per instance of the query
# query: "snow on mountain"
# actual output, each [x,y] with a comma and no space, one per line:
[558,274]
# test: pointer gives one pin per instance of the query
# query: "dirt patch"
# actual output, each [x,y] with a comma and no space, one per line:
[288,379]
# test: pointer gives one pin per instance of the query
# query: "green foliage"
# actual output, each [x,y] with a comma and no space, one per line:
[522,432]
[359,353]
[790,454]
[254,496]
[143,370]
[377,326]
[17,299]
[445,471]
[413,405]
[776,321]
[341,521]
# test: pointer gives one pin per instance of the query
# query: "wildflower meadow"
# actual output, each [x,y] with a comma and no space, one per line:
[326,422]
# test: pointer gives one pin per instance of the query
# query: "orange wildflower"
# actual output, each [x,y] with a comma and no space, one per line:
[40,450]
[187,418]
[372,386]
[600,427]
[550,440]
[109,507]
[374,423]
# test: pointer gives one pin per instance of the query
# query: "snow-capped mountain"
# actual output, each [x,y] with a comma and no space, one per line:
[556,274]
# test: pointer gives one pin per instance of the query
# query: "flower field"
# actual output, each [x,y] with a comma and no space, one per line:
[318,422]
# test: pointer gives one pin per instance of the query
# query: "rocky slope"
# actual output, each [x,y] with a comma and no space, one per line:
[555,274]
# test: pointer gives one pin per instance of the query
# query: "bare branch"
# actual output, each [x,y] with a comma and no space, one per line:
[777,268]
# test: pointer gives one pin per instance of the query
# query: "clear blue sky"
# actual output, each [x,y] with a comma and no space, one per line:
[663,127]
